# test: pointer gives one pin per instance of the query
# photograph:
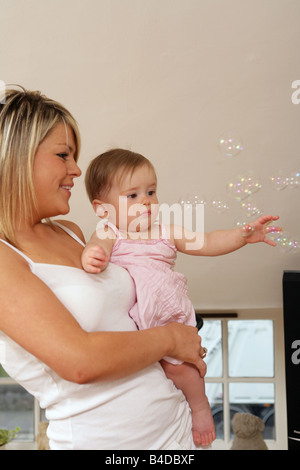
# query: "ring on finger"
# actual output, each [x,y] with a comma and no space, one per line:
[203,355]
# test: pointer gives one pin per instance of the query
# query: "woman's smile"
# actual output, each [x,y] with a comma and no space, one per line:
[67,188]
[54,170]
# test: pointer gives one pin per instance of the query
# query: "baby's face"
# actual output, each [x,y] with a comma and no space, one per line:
[134,199]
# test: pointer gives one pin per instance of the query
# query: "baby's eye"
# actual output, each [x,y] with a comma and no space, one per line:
[132,196]
[150,193]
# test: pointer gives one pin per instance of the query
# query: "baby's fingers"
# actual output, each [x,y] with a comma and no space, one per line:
[92,269]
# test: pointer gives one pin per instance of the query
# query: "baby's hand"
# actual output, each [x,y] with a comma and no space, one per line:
[257,230]
[94,259]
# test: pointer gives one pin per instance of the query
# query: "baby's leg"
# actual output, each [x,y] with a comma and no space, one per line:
[187,378]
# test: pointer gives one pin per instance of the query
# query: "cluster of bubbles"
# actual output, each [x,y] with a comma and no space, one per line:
[190,201]
[285,242]
[219,206]
[243,186]
[241,189]
[281,181]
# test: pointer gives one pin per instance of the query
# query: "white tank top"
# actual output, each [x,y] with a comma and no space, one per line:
[143,411]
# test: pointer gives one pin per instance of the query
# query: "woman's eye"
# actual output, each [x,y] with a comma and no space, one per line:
[62,155]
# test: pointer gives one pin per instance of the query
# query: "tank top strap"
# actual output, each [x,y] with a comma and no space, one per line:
[29,261]
[69,232]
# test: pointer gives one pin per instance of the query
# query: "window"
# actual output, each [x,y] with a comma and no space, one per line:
[245,363]
[18,408]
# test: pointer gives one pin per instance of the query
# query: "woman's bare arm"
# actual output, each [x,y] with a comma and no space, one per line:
[33,317]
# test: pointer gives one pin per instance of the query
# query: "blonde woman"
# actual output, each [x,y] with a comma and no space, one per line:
[66,335]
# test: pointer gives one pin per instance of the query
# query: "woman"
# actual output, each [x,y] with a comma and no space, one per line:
[67,335]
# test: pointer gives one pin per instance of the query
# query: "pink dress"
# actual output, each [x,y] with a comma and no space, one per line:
[162,295]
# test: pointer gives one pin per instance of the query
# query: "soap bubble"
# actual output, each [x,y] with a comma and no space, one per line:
[219,206]
[241,221]
[274,236]
[185,202]
[192,206]
[230,146]
[295,247]
[192,212]
[250,208]
[285,242]
[236,189]
[190,201]
[197,199]
[294,180]
[279,181]
[241,187]
[253,184]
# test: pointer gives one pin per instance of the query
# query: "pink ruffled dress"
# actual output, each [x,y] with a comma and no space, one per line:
[162,295]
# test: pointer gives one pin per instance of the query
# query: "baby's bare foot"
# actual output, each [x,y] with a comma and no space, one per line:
[203,425]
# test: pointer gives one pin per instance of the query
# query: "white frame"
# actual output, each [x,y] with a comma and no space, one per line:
[276,315]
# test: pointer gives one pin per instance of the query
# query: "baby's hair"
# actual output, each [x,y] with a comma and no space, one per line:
[115,163]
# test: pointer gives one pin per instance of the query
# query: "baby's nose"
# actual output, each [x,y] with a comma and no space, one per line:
[146,200]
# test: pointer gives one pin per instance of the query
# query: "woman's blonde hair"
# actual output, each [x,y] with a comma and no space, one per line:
[26,118]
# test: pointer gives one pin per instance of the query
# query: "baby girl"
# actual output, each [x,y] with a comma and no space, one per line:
[122,188]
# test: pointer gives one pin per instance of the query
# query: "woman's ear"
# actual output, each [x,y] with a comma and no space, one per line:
[99,208]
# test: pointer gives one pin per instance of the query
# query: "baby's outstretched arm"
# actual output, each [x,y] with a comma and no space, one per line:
[96,254]
[220,242]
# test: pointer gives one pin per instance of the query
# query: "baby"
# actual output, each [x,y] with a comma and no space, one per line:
[122,188]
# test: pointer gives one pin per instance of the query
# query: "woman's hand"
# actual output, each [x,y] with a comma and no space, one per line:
[256,231]
[187,345]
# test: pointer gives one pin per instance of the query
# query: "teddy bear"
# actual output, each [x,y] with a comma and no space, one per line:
[248,432]
[42,439]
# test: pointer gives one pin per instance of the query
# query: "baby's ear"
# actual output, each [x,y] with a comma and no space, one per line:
[99,208]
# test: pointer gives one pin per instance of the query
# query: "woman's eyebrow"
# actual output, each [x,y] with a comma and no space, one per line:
[66,145]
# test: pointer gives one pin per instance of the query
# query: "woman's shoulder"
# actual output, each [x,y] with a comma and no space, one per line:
[9,255]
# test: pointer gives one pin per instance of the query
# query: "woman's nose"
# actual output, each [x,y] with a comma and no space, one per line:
[74,169]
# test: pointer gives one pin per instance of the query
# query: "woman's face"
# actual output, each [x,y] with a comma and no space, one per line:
[54,171]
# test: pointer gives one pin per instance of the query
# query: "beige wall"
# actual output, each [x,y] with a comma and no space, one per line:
[166,78]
